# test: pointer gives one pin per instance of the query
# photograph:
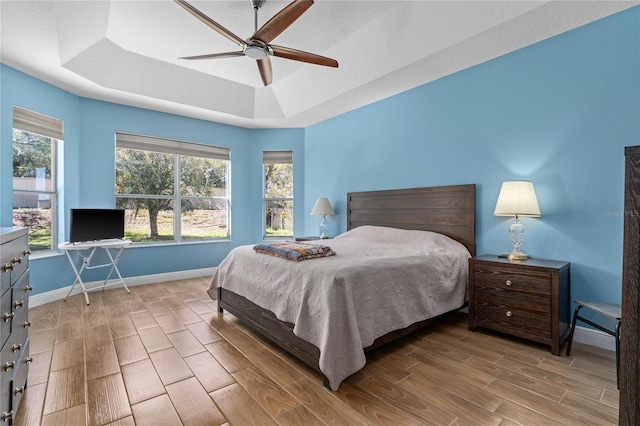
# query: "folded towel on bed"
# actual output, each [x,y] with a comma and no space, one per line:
[295,251]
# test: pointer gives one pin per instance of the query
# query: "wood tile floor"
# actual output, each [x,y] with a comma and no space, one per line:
[163,355]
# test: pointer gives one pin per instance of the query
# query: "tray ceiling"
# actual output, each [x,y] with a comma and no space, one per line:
[127,51]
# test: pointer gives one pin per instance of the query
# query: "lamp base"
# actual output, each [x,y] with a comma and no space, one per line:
[516,254]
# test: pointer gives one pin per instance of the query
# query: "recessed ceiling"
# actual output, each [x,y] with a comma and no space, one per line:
[127,51]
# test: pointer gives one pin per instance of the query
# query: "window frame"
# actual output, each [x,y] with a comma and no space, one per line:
[276,157]
[25,120]
[178,149]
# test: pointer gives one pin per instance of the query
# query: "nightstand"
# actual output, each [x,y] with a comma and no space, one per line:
[528,299]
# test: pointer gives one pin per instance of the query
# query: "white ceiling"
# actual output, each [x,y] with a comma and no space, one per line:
[127,51]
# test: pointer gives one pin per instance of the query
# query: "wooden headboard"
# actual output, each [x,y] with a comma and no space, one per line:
[448,210]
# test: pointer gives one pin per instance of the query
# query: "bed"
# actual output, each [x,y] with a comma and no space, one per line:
[314,316]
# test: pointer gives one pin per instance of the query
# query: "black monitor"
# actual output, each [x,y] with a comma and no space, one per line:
[96,224]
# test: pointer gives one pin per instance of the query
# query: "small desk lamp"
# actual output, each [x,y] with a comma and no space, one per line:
[517,198]
[323,207]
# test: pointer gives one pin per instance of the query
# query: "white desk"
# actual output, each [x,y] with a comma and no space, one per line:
[85,251]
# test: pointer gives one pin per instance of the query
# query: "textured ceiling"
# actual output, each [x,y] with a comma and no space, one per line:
[127,51]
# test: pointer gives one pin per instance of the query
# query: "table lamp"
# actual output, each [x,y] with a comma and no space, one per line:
[517,198]
[323,207]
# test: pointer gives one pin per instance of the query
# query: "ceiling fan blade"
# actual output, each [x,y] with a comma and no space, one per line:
[282,20]
[299,55]
[266,72]
[210,22]
[215,55]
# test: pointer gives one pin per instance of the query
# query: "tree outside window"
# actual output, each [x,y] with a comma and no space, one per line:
[172,197]
[278,194]
[34,176]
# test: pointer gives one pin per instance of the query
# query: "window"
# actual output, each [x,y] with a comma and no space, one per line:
[172,190]
[278,193]
[36,139]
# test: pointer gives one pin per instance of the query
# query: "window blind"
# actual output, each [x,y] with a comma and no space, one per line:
[277,157]
[34,122]
[170,146]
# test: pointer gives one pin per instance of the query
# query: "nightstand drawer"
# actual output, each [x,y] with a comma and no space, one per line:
[507,278]
[511,299]
[514,317]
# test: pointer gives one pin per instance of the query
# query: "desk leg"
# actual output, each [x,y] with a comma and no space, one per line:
[114,267]
[78,280]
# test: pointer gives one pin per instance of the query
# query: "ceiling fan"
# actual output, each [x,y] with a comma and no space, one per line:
[258,45]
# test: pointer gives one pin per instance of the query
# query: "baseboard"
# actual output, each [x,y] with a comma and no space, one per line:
[60,293]
[593,337]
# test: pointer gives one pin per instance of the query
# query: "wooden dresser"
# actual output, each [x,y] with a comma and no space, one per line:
[528,299]
[14,321]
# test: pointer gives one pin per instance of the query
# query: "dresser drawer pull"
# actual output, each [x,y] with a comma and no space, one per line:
[28,288]
[15,260]
[16,348]
[18,304]
[27,252]
[509,314]
[28,359]
[26,324]
[9,366]
[18,391]
[7,415]
[508,282]
[7,316]
[7,267]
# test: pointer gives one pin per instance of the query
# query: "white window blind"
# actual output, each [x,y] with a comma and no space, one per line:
[277,157]
[169,146]
[34,122]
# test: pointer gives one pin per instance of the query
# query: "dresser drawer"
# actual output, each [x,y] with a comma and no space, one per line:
[14,261]
[19,377]
[8,363]
[20,304]
[6,315]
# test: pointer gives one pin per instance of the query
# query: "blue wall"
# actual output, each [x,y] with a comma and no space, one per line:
[558,113]
[88,173]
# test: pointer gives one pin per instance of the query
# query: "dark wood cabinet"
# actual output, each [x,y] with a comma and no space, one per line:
[630,329]
[14,321]
[528,299]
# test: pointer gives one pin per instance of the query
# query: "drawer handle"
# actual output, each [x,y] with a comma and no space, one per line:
[28,359]
[509,314]
[508,282]
[7,267]
[28,288]
[18,391]
[15,260]
[27,252]
[26,324]
[7,415]
[16,348]
[7,316]
[18,304]
[9,366]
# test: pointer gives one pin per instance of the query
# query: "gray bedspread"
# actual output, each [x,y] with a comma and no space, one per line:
[381,280]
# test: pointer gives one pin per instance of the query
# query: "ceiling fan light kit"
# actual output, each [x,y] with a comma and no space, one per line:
[258,46]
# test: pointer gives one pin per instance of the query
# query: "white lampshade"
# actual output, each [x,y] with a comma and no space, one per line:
[322,207]
[517,198]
